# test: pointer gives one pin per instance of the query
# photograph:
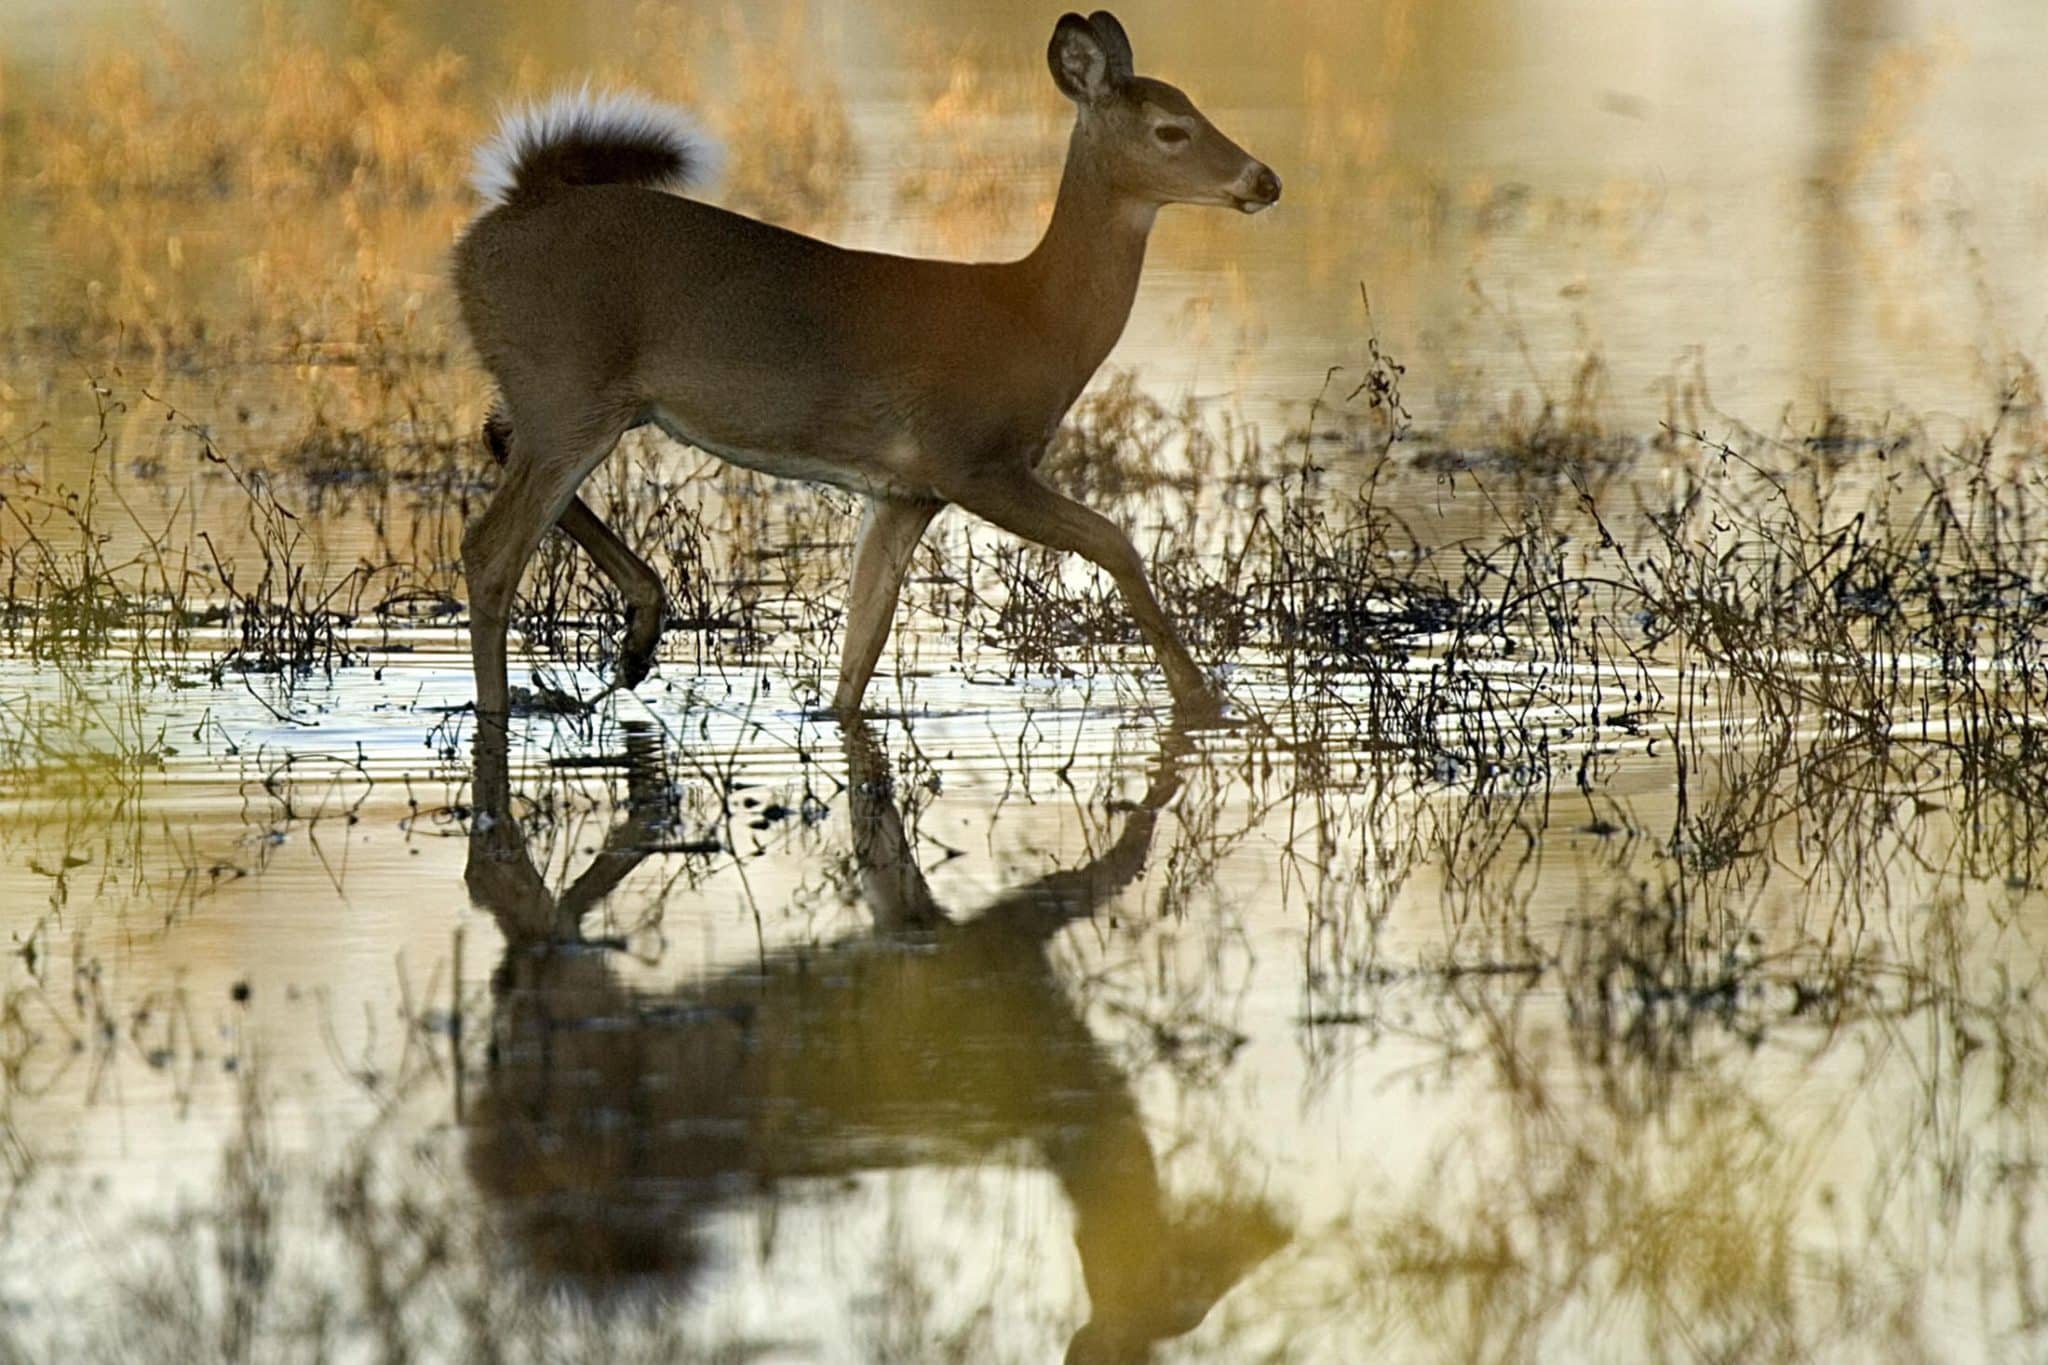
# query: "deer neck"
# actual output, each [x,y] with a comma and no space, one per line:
[1084,271]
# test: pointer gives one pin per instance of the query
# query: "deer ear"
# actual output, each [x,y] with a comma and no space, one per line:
[1116,44]
[1081,66]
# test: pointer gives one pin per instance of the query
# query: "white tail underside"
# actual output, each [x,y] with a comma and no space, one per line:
[593,117]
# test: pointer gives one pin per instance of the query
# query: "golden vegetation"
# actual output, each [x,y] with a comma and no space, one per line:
[792,151]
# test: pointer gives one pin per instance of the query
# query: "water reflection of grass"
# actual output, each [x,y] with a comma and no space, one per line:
[1625,1174]
[1692,1218]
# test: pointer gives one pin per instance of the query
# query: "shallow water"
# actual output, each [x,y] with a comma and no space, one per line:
[852,1063]
[1522,986]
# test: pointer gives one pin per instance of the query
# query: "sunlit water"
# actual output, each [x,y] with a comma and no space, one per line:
[1417,1072]
[1080,1034]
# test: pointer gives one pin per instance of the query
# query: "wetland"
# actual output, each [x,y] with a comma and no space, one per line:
[1609,488]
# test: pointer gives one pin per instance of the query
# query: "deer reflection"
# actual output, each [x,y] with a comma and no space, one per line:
[610,1120]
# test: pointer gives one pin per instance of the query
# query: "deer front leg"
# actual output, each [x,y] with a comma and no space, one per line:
[888,538]
[1026,507]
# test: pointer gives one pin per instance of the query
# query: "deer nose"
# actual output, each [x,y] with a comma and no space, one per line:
[1266,186]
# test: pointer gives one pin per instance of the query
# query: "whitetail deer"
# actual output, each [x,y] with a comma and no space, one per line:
[612,1121]
[600,304]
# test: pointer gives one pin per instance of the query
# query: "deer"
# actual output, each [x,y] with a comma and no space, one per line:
[601,299]
[612,1121]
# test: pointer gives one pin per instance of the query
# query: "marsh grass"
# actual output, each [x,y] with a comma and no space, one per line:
[91,578]
[1880,591]
[973,194]
[321,176]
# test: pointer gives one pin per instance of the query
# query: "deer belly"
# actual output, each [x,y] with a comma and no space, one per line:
[870,476]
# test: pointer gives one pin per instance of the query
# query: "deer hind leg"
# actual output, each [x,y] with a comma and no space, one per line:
[637,583]
[550,457]
[1026,507]
[888,538]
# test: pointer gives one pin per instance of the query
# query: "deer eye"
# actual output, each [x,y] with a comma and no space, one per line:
[1172,134]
